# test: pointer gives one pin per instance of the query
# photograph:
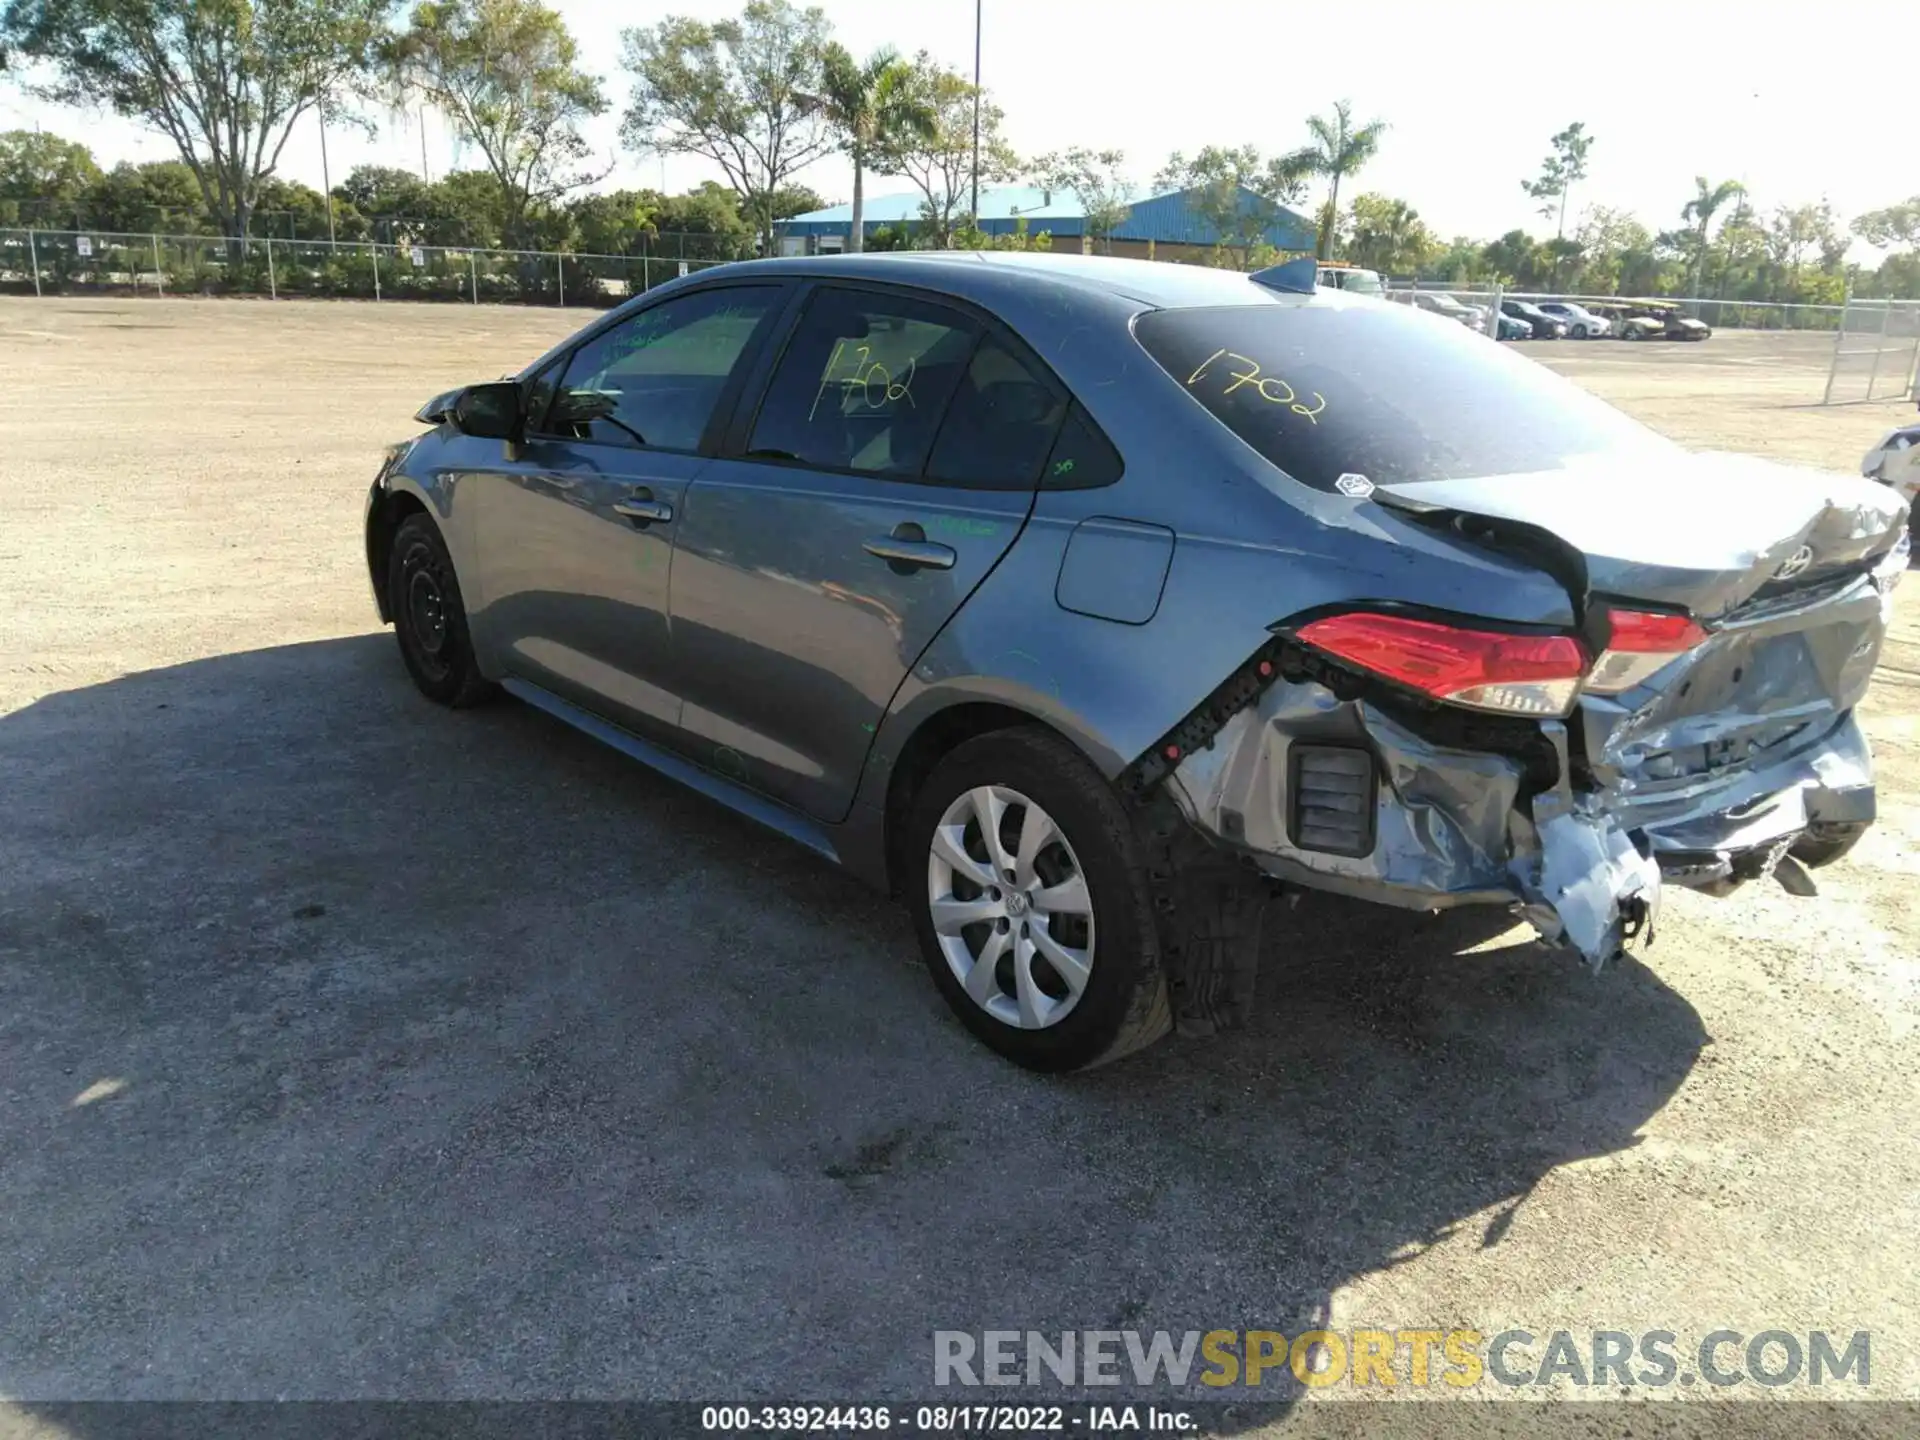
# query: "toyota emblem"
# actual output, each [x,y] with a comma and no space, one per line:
[1795,563]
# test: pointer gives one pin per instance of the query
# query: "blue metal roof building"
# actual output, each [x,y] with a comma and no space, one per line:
[1161,221]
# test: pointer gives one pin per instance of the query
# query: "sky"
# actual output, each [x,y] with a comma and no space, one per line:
[1820,105]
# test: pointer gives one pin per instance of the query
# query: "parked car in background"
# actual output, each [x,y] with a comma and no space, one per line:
[1674,324]
[1582,324]
[1082,602]
[1338,275]
[1543,325]
[1439,302]
[1895,463]
[1512,327]
[1624,322]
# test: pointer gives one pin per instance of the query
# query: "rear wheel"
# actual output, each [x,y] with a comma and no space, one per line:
[1029,896]
[429,617]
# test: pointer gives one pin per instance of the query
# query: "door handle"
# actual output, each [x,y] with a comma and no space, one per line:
[643,510]
[906,555]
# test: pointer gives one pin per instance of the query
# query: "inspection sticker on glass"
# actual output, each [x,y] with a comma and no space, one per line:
[1357,486]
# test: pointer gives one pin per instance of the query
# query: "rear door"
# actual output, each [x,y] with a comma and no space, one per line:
[877,475]
[576,535]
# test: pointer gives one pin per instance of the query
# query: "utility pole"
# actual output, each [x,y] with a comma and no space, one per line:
[326,179]
[424,175]
[976,113]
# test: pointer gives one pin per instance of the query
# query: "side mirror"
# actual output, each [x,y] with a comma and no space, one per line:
[490,411]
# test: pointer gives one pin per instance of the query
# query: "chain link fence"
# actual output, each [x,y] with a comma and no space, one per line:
[1876,354]
[74,262]
[1719,314]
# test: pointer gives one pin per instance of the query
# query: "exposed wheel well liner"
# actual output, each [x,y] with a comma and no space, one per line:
[386,519]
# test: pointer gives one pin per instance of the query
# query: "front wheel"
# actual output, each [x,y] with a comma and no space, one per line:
[1579,332]
[430,618]
[1029,895]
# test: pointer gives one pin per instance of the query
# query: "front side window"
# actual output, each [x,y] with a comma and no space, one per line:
[653,380]
[864,384]
[1326,390]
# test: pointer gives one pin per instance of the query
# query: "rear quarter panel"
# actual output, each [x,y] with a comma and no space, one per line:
[1251,548]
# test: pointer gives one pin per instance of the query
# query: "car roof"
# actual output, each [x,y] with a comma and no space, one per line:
[988,275]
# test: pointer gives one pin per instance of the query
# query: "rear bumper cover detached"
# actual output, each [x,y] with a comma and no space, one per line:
[1454,826]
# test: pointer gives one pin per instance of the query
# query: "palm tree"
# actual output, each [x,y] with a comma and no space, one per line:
[1700,210]
[870,105]
[1338,150]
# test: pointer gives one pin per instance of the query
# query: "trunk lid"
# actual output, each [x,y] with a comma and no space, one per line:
[1774,560]
[1701,532]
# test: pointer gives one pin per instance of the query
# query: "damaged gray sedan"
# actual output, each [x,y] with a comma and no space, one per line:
[1087,604]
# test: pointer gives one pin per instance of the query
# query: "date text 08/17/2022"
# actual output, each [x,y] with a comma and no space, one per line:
[944,1419]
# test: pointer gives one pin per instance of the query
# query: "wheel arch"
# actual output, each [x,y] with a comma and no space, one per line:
[937,733]
[384,518]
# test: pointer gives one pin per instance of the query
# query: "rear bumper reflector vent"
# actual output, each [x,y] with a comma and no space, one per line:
[1331,796]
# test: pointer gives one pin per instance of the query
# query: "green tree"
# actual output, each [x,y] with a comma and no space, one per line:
[390,204]
[972,237]
[939,163]
[161,196]
[1897,229]
[741,93]
[1614,248]
[1240,193]
[1339,149]
[225,80]
[788,201]
[871,107]
[1699,211]
[1516,260]
[43,179]
[1564,167]
[288,208]
[1094,179]
[1388,235]
[506,74]
[614,223]
[1897,225]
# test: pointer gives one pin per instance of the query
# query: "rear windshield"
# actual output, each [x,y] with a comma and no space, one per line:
[1381,392]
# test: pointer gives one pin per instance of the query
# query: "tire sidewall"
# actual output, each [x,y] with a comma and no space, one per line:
[1126,950]
[417,541]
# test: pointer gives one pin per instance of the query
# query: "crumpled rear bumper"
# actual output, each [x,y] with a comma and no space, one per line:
[1453,826]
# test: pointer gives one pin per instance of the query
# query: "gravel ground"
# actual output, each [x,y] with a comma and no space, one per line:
[349,1047]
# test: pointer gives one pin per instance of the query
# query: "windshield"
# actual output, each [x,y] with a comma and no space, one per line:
[1381,392]
[1360,282]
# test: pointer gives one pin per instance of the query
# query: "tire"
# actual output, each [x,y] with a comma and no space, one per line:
[1579,332]
[430,618]
[1122,1002]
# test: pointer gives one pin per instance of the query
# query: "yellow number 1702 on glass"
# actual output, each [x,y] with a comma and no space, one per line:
[1282,394]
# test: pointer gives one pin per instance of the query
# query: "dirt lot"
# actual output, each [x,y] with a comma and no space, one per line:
[350,1047]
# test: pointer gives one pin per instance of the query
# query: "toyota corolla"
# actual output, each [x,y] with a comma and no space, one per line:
[1085,604]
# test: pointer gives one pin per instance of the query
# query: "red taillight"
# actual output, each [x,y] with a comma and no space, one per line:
[1639,644]
[1484,669]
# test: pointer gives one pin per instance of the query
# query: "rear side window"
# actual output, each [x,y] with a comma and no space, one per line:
[653,379]
[864,384]
[1082,458]
[1328,390]
[1001,424]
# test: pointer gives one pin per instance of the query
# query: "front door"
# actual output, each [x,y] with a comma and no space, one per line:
[892,461]
[576,537]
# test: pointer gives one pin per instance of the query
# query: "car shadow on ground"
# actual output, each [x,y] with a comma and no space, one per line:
[352,1047]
